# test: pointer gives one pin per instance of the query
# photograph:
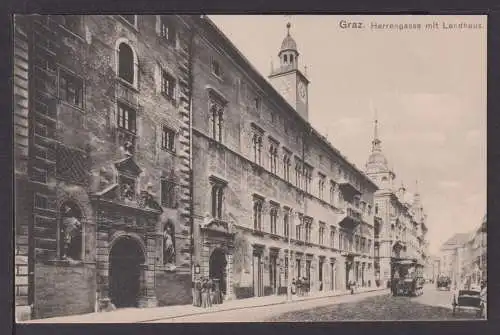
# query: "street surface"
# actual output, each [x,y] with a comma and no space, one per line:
[373,306]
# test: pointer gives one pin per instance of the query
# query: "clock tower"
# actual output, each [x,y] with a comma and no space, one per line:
[287,79]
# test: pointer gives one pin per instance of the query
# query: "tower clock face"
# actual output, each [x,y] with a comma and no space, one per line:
[302,91]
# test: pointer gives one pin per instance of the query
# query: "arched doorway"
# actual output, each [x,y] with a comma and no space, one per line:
[125,260]
[217,267]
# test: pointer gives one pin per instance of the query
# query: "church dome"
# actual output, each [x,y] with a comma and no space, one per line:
[288,42]
[377,161]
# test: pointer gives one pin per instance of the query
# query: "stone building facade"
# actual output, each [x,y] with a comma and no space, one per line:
[400,220]
[272,198]
[102,110]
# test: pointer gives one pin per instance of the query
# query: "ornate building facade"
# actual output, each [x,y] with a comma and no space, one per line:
[273,199]
[400,220]
[102,162]
[149,152]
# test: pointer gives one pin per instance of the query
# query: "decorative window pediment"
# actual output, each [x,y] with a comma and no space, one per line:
[128,167]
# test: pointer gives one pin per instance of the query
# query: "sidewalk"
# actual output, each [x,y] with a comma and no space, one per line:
[136,315]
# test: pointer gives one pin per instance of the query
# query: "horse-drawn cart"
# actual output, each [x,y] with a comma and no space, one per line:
[468,300]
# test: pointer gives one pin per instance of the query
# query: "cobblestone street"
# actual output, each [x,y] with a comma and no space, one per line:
[432,305]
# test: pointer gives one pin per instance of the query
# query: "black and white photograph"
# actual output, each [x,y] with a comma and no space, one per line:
[249,168]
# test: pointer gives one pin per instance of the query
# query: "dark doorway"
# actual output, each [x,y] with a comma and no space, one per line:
[273,273]
[258,278]
[217,268]
[320,273]
[125,260]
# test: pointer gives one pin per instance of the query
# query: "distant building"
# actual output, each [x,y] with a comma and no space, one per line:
[400,221]
[453,257]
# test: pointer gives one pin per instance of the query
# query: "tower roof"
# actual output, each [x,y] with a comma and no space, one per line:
[288,42]
[377,162]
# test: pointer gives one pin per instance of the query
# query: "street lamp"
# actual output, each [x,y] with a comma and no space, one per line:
[289,282]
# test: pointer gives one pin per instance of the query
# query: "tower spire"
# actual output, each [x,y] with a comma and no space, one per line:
[376,141]
[288,26]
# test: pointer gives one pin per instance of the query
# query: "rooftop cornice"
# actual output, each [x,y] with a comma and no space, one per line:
[208,28]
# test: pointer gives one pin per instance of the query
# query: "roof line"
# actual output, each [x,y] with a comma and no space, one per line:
[268,87]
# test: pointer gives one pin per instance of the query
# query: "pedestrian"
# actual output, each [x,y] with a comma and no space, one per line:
[217,297]
[197,293]
[205,298]
[211,291]
[294,286]
[299,286]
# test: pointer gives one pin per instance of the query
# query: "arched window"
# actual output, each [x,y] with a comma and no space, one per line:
[291,59]
[286,225]
[70,232]
[285,59]
[169,243]
[257,214]
[126,65]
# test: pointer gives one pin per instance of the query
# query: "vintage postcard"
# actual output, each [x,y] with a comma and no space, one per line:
[264,168]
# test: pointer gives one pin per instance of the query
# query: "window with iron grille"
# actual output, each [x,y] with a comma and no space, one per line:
[167,30]
[71,164]
[39,175]
[168,193]
[168,139]
[44,202]
[126,118]
[70,88]
[168,83]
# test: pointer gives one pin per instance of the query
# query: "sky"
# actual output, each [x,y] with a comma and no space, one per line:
[428,88]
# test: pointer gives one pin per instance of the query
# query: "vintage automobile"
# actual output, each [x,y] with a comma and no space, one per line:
[443,282]
[469,300]
[408,279]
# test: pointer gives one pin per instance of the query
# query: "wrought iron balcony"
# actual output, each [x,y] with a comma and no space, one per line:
[348,189]
[352,217]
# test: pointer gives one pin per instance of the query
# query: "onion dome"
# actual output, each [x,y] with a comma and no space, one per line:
[288,42]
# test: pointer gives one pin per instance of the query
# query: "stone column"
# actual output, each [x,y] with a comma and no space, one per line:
[102,260]
[229,278]
[148,295]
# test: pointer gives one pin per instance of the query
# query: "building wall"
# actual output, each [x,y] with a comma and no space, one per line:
[83,143]
[231,161]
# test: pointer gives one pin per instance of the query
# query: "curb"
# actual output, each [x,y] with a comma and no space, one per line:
[256,306]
